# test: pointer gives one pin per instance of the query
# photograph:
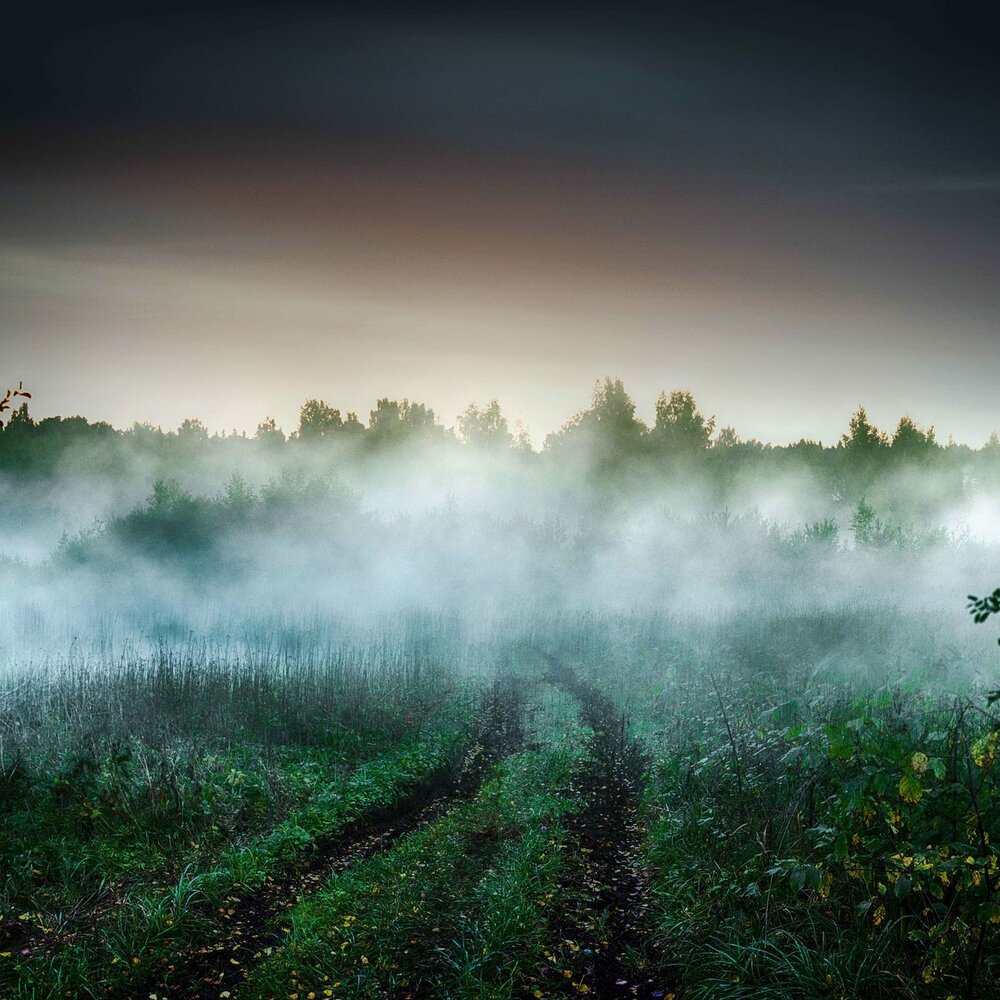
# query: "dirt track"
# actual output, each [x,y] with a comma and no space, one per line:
[610,952]
[249,922]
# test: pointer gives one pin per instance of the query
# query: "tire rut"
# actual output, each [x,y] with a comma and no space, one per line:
[605,940]
[250,921]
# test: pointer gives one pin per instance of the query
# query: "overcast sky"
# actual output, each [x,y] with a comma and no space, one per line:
[219,211]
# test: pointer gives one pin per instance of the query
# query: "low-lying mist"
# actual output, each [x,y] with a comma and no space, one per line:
[112,538]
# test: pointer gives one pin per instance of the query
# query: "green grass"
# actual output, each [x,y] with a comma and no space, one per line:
[816,820]
[119,843]
[458,907]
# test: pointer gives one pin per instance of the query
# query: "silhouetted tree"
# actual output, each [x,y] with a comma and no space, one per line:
[192,430]
[269,432]
[911,443]
[680,429]
[614,411]
[485,427]
[317,419]
[860,456]
[393,421]
[20,420]
[610,428]
[522,439]
[863,438]
[726,438]
[352,426]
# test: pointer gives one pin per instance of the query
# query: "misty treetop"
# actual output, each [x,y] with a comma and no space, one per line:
[609,428]
[881,486]
[610,505]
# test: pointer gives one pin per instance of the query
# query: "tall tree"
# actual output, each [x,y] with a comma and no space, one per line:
[485,427]
[680,428]
[394,420]
[317,420]
[268,432]
[860,456]
[863,438]
[910,442]
[610,426]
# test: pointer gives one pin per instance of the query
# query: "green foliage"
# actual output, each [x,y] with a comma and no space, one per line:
[870,532]
[873,826]
[463,903]
[269,432]
[162,786]
[320,421]
[863,438]
[199,533]
[485,427]
[680,428]
[982,607]
[609,430]
[912,443]
[592,446]
[394,422]
[8,399]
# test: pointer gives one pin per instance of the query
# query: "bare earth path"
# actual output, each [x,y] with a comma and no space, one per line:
[605,937]
[249,923]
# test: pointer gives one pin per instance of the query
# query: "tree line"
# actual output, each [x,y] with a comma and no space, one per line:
[608,435]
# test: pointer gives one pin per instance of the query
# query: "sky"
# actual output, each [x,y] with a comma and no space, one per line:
[219,211]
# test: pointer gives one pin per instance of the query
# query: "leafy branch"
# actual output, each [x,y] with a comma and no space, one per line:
[981,608]
[9,396]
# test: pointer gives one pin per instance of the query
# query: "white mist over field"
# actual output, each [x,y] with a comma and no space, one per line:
[232,536]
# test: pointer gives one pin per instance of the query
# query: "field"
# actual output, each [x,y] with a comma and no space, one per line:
[434,719]
[355,645]
[568,805]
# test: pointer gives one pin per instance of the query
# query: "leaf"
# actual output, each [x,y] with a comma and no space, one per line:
[910,789]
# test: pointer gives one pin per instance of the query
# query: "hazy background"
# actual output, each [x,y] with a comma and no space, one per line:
[115,541]
[216,211]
